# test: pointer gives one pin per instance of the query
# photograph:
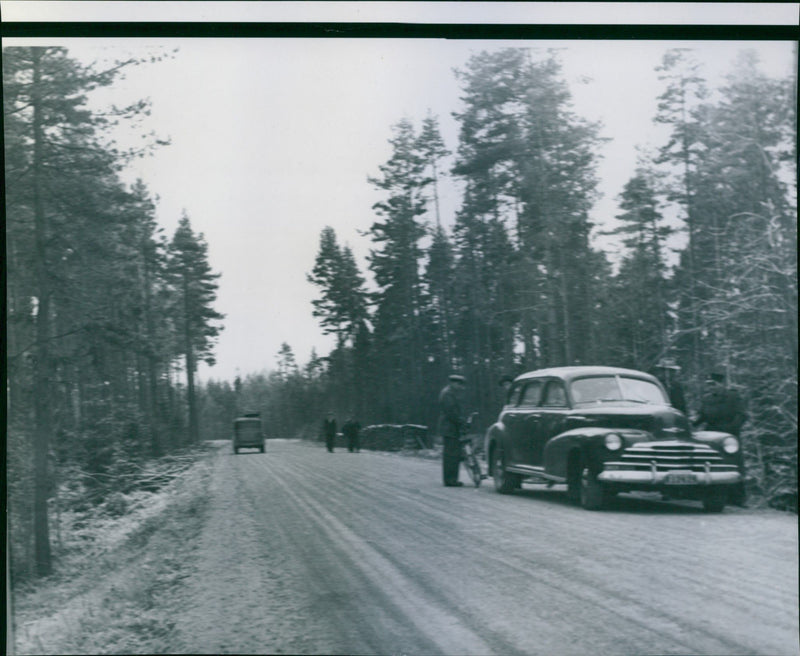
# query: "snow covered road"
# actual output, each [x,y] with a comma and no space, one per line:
[309,552]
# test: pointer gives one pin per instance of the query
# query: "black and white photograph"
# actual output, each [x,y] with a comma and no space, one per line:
[459,328]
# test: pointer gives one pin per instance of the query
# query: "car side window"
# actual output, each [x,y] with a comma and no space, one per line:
[554,395]
[513,395]
[531,394]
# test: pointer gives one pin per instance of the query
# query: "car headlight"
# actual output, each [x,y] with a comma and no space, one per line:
[730,445]
[613,442]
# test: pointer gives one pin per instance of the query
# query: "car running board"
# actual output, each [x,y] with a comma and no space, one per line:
[535,473]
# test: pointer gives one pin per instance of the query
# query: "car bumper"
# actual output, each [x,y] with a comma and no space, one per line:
[668,479]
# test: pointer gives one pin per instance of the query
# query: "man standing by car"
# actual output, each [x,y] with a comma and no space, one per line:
[350,430]
[722,409]
[505,388]
[451,425]
[329,431]
[668,372]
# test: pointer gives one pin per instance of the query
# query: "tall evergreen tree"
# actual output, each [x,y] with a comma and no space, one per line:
[527,160]
[62,193]
[681,106]
[642,314]
[433,150]
[439,298]
[395,262]
[745,287]
[194,286]
[342,306]
[152,329]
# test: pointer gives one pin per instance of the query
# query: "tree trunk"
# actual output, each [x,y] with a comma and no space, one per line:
[42,364]
[190,365]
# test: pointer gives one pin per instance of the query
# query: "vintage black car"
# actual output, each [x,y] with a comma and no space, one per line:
[605,430]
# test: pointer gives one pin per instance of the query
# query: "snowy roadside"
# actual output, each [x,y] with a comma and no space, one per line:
[112,590]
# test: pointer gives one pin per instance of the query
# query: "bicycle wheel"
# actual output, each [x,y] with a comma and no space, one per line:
[473,468]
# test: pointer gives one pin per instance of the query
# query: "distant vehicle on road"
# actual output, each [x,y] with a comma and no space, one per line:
[605,430]
[248,433]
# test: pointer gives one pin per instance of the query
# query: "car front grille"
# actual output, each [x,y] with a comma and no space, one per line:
[667,456]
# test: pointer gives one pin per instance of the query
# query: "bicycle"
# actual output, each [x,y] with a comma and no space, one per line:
[469,458]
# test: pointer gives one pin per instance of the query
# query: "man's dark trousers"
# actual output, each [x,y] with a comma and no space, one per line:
[451,457]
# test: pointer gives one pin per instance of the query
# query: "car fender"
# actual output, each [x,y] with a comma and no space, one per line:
[495,434]
[589,442]
[709,436]
[714,438]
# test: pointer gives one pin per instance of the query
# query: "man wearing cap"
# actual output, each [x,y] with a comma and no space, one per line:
[668,372]
[505,385]
[722,409]
[451,426]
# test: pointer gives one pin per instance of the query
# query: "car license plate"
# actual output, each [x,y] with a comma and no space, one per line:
[680,478]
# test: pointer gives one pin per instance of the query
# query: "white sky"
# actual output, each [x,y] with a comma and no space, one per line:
[273,139]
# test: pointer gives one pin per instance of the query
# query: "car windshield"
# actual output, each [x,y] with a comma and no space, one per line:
[611,389]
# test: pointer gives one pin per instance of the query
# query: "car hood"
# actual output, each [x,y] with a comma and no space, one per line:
[661,422]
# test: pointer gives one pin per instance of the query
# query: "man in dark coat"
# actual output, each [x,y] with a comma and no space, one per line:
[452,424]
[668,372]
[329,431]
[351,430]
[505,386]
[722,409]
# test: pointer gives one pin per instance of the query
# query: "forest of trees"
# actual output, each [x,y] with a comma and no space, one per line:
[517,283]
[101,307]
[107,318]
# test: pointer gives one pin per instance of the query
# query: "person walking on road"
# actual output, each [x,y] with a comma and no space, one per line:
[452,424]
[329,431]
[722,409]
[351,430]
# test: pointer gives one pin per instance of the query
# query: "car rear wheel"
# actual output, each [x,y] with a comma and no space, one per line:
[504,482]
[592,493]
[715,499]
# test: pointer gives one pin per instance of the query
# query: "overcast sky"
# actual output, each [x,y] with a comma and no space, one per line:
[273,139]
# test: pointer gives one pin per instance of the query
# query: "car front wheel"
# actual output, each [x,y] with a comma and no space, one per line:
[592,492]
[714,500]
[504,482]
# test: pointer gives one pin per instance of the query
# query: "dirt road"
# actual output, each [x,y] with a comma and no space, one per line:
[310,552]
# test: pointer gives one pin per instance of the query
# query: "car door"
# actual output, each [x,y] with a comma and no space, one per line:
[552,410]
[527,422]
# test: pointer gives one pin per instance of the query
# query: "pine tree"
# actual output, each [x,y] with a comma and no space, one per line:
[433,149]
[439,300]
[287,364]
[62,195]
[642,314]
[342,307]
[152,331]
[194,287]
[396,261]
[749,309]
[680,105]
[528,164]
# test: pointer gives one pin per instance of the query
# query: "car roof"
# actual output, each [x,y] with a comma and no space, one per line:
[570,373]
